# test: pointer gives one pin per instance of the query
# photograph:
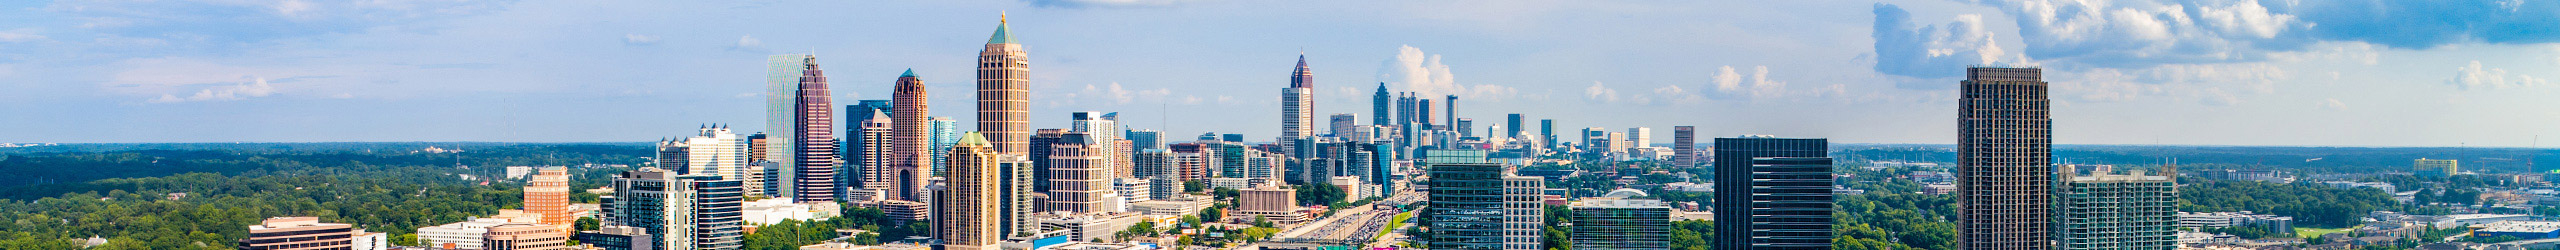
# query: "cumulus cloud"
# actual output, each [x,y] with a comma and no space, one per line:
[2476,76]
[2213,84]
[257,88]
[2141,33]
[1116,94]
[638,39]
[1730,84]
[1078,4]
[1413,70]
[748,44]
[1905,48]
[210,20]
[1599,93]
[19,35]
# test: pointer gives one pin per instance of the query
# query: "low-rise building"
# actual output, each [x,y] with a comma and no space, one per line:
[1171,207]
[617,238]
[282,233]
[524,236]
[467,234]
[775,210]
[1090,227]
[2520,229]
[2273,223]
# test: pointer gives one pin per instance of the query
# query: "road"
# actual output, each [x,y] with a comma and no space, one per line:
[1356,224]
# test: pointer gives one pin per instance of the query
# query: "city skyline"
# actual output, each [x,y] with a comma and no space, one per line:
[2298,84]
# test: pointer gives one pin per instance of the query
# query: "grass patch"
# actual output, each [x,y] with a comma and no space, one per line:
[1393,224]
[2307,233]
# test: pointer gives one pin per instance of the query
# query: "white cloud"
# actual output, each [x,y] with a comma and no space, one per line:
[2143,33]
[748,43]
[1228,100]
[1190,100]
[1904,48]
[1734,85]
[1115,94]
[1102,3]
[292,8]
[638,39]
[1413,70]
[20,35]
[2205,83]
[2333,104]
[1599,94]
[258,88]
[2476,76]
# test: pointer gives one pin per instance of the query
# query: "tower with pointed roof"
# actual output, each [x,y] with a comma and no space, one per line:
[813,175]
[1297,113]
[1004,92]
[966,215]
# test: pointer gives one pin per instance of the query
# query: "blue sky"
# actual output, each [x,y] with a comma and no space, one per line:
[2215,72]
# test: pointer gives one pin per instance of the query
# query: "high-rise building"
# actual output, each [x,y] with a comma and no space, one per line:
[1524,212]
[813,178]
[2108,211]
[861,163]
[1466,127]
[1547,131]
[782,108]
[1105,130]
[945,132]
[1619,223]
[1143,139]
[1772,193]
[685,212]
[854,116]
[297,233]
[1638,137]
[616,237]
[1079,179]
[2004,158]
[910,140]
[1422,108]
[1154,163]
[967,209]
[525,236]
[1344,125]
[1514,127]
[872,145]
[1684,148]
[1466,201]
[1452,107]
[2436,167]
[1378,106]
[1043,142]
[547,193]
[1297,108]
[1004,92]
[711,151]
[1017,205]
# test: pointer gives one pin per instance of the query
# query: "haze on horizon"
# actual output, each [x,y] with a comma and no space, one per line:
[2181,72]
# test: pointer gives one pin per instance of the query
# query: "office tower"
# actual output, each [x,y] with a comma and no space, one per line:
[1234,138]
[1268,202]
[282,233]
[1154,163]
[1297,108]
[547,193]
[1004,92]
[1143,139]
[616,237]
[1514,126]
[945,132]
[685,212]
[1079,179]
[525,236]
[1777,189]
[782,108]
[1378,105]
[1524,211]
[813,178]
[910,140]
[1017,205]
[1684,148]
[1105,130]
[1043,143]
[1618,223]
[2004,161]
[1638,137]
[1547,131]
[1465,126]
[2107,211]
[1193,161]
[1232,159]
[1261,164]
[758,145]
[1452,107]
[966,207]
[711,151]
[1344,125]
[2436,167]
[872,144]
[1618,144]
[862,108]
[854,116]
[1466,201]
[1422,108]
[468,234]
[1596,142]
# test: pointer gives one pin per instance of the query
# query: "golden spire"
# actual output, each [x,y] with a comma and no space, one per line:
[1000,17]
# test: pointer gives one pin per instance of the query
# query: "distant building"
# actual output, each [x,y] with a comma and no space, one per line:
[2107,211]
[685,211]
[616,237]
[1618,223]
[2273,223]
[282,233]
[2521,230]
[1276,204]
[775,210]
[467,234]
[1092,227]
[2437,167]
[525,236]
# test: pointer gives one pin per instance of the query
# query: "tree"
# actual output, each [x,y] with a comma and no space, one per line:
[1213,214]
[1319,194]
[1194,186]
[587,223]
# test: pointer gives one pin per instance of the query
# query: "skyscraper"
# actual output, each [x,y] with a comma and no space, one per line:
[684,211]
[1524,212]
[1464,126]
[967,209]
[1105,130]
[1017,204]
[2108,211]
[782,108]
[944,133]
[1772,193]
[813,178]
[2004,161]
[1452,107]
[1004,92]
[1079,178]
[1618,223]
[712,151]
[1466,201]
[547,193]
[1684,148]
[1297,109]
[1513,127]
[1547,131]
[910,140]
[1344,125]
[1143,139]
[1378,107]
[1638,137]
[1042,142]
[871,142]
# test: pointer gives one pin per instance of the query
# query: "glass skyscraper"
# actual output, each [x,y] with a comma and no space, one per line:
[1772,193]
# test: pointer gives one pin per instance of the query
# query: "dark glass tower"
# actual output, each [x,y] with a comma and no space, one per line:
[1378,107]
[1773,193]
[2004,161]
[1513,127]
[1466,201]
[814,176]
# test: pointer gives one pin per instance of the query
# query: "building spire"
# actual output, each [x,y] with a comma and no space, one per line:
[1302,78]
[1002,36]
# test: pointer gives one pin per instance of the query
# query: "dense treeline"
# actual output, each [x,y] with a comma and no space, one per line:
[1894,221]
[131,198]
[2310,205]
